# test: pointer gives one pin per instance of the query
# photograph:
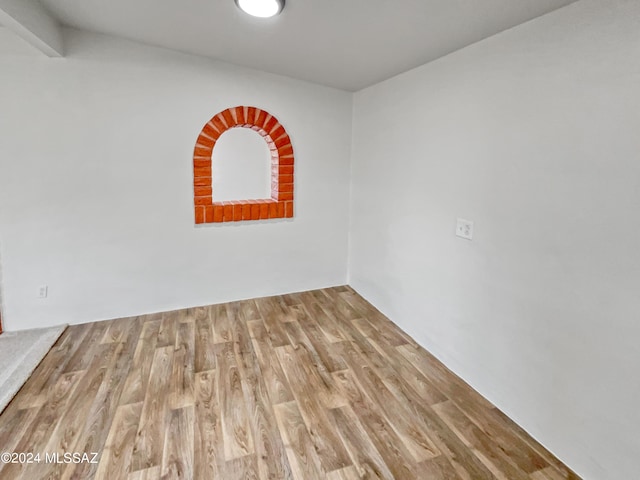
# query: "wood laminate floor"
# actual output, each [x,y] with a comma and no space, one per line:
[315,385]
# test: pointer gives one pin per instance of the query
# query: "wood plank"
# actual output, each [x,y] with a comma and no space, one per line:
[84,356]
[37,434]
[316,371]
[444,379]
[329,357]
[348,473]
[205,358]
[238,326]
[167,332]
[220,321]
[118,330]
[272,313]
[37,388]
[300,449]
[136,382]
[315,385]
[236,431]
[329,325]
[11,432]
[332,453]
[438,468]
[250,310]
[183,374]
[388,329]
[208,439]
[274,378]
[241,468]
[399,365]
[549,473]
[270,452]
[116,455]
[152,473]
[66,433]
[481,445]
[149,443]
[103,409]
[366,458]
[391,447]
[178,452]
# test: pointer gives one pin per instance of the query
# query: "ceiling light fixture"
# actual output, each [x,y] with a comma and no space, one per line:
[261,8]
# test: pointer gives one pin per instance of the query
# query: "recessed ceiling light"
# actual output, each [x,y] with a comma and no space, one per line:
[261,8]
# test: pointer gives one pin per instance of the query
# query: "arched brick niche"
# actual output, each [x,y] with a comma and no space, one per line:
[280,205]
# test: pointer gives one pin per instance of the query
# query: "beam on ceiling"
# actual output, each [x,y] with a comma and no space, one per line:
[29,20]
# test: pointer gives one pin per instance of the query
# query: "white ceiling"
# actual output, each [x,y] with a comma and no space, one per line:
[348,44]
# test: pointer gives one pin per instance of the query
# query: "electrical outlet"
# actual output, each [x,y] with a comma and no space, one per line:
[464,228]
[43,291]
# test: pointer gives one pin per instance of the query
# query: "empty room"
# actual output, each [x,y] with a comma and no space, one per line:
[304,239]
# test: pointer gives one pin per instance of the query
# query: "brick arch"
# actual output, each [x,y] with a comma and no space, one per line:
[280,205]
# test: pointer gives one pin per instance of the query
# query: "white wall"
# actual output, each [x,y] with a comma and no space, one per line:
[241,166]
[33,23]
[12,44]
[532,134]
[96,196]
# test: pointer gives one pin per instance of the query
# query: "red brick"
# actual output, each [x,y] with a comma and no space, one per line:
[252,113]
[277,132]
[273,210]
[211,131]
[282,141]
[202,172]
[203,201]
[228,212]
[208,213]
[200,151]
[218,213]
[202,191]
[285,151]
[246,211]
[262,118]
[240,115]
[266,125]
[202,181]
[228,118]
[237,211]
[270,124]
[264,211]
[205,141]
[285,160]
[201,162]
[255,211]
[199,211]
[217,122]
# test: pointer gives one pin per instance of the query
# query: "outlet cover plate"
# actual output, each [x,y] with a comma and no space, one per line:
[464,228]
